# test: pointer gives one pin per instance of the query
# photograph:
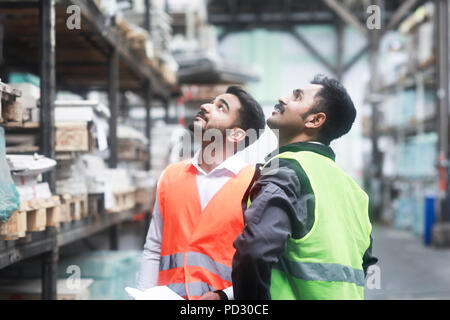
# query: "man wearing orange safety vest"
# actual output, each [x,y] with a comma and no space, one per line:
[198,213]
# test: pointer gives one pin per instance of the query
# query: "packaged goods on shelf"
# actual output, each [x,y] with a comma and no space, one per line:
[73,186]
[81,125]
[29,100]
[73,136]
[145,184]
[160,148]
[29,165]
[132,144]
[417,156]
[11,110]
[419,30]
[425,43]
[9,196]
[429,108]
[26,170]
[422,14]
[407,106]
[91,168]
[394,57]
[115,184]
[410,205]
[19,77]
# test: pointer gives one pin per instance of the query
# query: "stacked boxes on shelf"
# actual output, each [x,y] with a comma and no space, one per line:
[408,112]
[37,207]
[78,131]
[417,156]
[418,28]
[10,106]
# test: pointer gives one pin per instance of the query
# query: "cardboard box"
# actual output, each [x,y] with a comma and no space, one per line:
[72,136]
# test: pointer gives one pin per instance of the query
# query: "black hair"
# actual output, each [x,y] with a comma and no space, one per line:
[335,102]
[251,113]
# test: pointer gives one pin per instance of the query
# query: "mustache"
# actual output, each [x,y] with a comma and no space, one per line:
[202,114]
[280,107]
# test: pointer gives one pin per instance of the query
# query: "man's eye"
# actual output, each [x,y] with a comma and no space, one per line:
[220,107]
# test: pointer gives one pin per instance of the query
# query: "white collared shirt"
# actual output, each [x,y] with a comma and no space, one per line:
[208,184]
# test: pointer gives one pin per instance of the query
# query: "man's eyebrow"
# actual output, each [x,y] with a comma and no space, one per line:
[225,103]
[297,92]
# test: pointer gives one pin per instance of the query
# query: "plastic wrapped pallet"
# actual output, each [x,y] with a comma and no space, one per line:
[111,271]
[9,197]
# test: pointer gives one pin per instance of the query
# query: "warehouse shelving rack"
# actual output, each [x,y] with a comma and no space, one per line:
[93,57]
[432,75]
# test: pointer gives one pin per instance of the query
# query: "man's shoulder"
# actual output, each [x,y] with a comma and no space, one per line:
[173,169]
[178,165]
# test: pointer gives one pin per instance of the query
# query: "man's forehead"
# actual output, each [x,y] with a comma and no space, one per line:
[231,99]
[311,89]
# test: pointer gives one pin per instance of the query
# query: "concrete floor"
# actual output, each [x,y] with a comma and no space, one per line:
[407,268]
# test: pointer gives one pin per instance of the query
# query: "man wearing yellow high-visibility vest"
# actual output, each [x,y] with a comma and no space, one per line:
[307,231]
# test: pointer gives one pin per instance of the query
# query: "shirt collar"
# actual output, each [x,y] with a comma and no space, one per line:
[234,164]
[313,146]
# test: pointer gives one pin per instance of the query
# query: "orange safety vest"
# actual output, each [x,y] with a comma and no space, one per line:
[197,245]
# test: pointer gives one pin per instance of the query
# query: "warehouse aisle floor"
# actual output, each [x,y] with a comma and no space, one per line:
[408,269]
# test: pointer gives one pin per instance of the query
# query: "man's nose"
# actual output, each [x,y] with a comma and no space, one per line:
[282,101]
[204,108]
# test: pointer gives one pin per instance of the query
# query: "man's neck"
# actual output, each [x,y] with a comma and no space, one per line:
[213,159]
[299,138]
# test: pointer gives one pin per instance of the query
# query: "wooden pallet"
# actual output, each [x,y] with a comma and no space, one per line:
[131,150]
[15,228]
[96,204]
[145,198]
[33,215]
[42,213]
[74,207]
[123,200]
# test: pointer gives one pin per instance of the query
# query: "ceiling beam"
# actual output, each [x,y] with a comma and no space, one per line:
[347,16]
[312,50]
[356,57]
[268,18]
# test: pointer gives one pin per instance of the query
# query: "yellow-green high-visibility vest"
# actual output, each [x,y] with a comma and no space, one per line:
[327,262]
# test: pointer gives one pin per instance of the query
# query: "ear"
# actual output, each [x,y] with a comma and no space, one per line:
[315,120]
[236,135]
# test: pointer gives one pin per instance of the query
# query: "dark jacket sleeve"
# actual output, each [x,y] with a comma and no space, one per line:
[268,225]
[368,258]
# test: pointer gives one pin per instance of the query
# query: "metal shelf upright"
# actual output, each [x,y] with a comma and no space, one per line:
[94,57]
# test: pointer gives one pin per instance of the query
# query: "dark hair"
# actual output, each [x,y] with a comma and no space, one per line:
[335,102]
[251,113]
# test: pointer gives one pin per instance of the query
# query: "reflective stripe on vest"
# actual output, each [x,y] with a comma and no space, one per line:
[195,259]
[321,271]
[195,288]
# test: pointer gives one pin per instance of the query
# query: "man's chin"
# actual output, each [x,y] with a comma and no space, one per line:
[272,123]
[196,126]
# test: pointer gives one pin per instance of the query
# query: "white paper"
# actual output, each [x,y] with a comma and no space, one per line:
[155,293]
